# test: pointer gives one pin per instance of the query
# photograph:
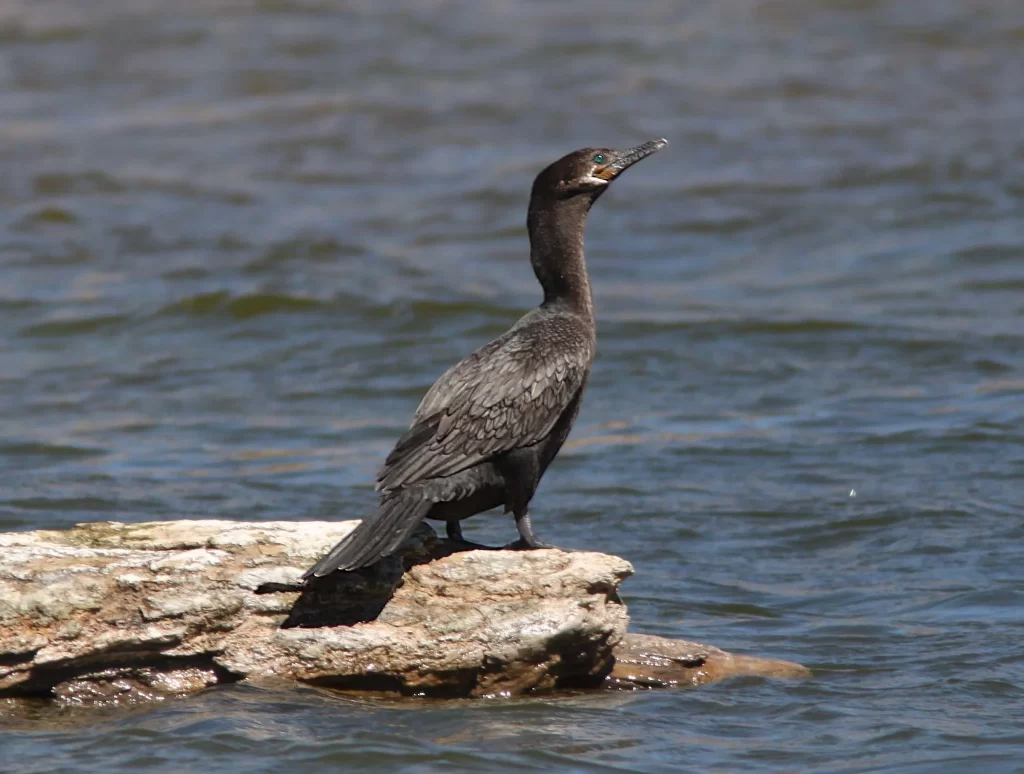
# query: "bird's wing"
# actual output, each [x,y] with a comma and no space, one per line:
[507,395]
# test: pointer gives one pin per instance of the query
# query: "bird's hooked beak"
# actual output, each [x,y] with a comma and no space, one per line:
[627,158]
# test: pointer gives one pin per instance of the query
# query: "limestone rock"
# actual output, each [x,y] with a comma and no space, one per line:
[115,613]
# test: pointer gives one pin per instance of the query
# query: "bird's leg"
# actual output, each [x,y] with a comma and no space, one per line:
[521,471]
[454,531]
[527,540]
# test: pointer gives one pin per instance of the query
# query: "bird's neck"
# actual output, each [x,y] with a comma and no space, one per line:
[556,252]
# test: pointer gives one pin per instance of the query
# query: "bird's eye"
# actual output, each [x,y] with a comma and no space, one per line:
[599,158]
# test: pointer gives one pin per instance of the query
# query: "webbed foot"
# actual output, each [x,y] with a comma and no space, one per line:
[522,545]
[527,540]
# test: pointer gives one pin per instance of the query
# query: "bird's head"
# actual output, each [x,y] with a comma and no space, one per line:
[589,171]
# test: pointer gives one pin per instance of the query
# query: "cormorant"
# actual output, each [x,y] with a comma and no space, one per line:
[486,431]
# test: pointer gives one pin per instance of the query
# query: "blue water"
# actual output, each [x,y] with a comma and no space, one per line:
[239,240]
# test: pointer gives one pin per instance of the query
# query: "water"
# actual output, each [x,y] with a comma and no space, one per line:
[239,240]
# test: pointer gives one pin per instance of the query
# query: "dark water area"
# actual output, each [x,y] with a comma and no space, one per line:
[238,240]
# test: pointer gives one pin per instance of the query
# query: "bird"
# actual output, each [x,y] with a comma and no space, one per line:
[488,428]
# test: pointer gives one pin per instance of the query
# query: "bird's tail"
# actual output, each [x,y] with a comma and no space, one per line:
[381,534]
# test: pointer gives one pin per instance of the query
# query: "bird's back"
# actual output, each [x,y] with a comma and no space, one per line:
[506,395]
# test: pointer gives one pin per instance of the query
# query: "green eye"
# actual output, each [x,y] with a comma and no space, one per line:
[599,158]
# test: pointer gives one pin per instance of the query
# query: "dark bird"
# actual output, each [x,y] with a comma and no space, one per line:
[486,431]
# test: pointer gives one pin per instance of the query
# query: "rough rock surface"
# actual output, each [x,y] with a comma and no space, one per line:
[112,612]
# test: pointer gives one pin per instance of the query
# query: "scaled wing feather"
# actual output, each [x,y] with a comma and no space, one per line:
[498,399]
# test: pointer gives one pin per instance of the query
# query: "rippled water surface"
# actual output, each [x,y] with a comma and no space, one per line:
[238,240]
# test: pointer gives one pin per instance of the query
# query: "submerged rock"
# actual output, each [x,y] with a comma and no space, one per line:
[115,613]
[646,661]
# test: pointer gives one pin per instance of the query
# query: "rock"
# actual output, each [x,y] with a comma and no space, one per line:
[117,613]
[646,661]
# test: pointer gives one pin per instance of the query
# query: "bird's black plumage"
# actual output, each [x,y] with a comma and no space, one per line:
[484,434]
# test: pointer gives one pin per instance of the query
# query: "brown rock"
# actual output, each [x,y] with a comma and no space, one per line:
[647,661]
[114,613]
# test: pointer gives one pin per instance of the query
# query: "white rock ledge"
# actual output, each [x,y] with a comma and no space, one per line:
[118,613]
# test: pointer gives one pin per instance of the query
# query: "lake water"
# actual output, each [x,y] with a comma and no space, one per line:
[238,240]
